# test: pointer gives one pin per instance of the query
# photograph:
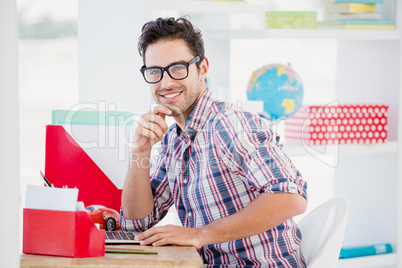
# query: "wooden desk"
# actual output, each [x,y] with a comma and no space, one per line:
[168,256]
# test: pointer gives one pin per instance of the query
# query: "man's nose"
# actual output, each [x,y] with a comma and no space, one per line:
[166,80]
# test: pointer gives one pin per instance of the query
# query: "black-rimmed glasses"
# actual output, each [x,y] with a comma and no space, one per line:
[177,71]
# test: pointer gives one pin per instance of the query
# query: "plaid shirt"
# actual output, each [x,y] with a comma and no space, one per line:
[220,163]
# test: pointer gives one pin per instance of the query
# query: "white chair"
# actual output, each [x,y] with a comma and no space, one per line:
[322,233]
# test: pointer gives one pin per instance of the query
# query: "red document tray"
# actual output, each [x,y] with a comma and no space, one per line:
[68,164]
[61,233]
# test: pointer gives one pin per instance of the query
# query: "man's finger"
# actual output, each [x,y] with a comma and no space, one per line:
[151,135]
[157,120]
[161,110]
[150,232]
[154,238]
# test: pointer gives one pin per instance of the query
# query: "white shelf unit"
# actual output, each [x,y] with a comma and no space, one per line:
[214,20]
[306,34]
[110,20]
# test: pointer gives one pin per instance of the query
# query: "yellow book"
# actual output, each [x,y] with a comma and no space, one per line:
[350,8]
[370,27]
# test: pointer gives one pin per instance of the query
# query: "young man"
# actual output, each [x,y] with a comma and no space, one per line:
[234,189]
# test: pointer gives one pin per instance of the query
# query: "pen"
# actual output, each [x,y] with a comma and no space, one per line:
[43,176]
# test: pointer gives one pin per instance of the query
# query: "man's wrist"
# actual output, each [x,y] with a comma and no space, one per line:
[202,235]
[140,159]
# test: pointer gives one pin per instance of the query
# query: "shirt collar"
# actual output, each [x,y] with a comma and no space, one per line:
[201,111]
[199,114]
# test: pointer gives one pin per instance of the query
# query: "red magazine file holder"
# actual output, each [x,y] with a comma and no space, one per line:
[61,233]
[66,163]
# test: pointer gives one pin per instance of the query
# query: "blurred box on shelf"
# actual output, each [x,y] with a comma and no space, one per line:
[291,19]
[338,124]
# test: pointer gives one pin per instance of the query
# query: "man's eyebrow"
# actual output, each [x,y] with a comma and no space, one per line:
[154,66]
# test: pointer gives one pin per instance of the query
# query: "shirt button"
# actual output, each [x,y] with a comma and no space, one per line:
[189,214]
[184,181]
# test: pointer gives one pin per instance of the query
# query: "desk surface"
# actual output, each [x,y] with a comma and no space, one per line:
[168,256]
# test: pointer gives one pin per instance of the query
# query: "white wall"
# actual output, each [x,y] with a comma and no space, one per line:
[9,136]
[108,59]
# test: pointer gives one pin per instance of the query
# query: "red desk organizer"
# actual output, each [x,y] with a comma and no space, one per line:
[68,164]
[61,233]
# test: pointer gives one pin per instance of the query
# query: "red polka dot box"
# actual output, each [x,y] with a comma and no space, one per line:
[341,124]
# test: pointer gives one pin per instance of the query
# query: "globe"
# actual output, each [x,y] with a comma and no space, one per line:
[279,87]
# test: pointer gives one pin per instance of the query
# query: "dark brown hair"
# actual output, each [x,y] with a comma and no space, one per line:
[172,29]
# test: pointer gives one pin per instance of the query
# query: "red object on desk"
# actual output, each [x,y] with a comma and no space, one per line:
[66,163]
[61,233]
[107,218]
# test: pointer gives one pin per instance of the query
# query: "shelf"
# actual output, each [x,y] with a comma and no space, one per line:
[369,261]
[206,6]
[212,7]
[305,34]
[297,150]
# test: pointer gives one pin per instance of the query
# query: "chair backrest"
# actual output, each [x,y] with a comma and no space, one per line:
[322,233]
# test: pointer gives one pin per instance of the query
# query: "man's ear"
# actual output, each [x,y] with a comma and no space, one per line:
[204,66]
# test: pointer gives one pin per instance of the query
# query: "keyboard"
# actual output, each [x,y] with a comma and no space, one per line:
[121,237]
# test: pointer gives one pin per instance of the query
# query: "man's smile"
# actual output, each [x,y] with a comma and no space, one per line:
[170,96]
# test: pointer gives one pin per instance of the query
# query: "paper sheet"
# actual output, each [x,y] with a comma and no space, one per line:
[51,198]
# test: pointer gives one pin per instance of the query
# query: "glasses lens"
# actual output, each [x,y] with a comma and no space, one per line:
[153,75]
[178,71]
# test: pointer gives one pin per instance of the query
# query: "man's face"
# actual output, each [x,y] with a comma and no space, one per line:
[180,96]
